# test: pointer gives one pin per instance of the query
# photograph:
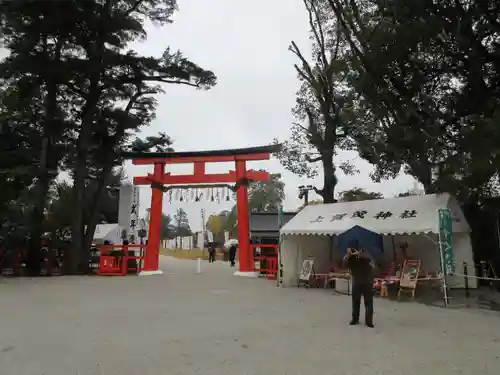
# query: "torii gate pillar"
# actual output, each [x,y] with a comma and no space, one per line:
[152,253]
[247,263]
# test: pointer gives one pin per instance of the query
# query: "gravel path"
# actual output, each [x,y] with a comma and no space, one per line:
[216,323]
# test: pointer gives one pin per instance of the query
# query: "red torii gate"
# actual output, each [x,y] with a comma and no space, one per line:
[240,177]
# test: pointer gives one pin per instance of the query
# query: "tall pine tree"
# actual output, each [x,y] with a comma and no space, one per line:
[97,92]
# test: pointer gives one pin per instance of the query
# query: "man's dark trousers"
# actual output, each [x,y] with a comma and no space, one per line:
[365,290]
[211,256]
[232,256]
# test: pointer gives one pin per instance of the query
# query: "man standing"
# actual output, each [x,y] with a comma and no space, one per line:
[361,265]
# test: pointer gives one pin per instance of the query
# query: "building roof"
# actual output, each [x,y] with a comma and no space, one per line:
[111,232]
[265,224]
[405,215]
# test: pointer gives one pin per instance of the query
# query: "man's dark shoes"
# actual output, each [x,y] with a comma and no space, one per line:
[370,325]
[353,323]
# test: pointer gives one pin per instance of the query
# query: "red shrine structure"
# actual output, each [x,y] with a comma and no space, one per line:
[160,180]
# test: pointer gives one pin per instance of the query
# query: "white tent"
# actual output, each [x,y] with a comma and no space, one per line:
[108,232]
[201,240]
[171,243]
[186,242]
[412,219]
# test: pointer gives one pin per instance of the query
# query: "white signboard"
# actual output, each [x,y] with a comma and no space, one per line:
[210,236]
[124,204]
[134,211]
[128,210]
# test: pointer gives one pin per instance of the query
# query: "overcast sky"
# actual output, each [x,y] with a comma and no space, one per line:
[246,44]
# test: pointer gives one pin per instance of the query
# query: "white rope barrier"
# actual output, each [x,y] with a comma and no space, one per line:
[475,267]
[476,277]
[430,278]
[471,266]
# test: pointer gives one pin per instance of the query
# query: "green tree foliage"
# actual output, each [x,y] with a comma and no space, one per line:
[17,160]
[265,196]
[167,227]
[60,215]
[324,105]
[181,222]
[358,194]
[427,76]
[229,221]
[89,94]
[32,33]
[218,224]
[215,223]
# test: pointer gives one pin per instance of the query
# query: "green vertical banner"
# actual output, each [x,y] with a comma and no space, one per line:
[445,240]
[279,279]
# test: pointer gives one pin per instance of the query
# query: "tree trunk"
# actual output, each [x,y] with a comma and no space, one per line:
[329,179]
[95,210]
[76,258]
[422,171]
[101,184]
[75,261]
[43,178]
[95,207]
[37,216]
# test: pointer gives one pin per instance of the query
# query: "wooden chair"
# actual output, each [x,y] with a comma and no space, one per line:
[307,273]
[409,277]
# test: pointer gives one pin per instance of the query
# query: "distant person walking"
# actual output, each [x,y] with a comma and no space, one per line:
[361,265]
[211,252]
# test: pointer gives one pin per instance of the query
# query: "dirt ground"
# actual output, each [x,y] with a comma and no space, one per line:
[217,323]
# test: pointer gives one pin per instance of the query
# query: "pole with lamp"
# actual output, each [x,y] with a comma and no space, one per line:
[279,278]
[304,193]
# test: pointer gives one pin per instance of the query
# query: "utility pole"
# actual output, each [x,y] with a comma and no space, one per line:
[203,223]
[279,278]
[203,227]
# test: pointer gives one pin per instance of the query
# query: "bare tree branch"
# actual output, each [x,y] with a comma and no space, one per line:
[302,74]
[296,51]
[317,29]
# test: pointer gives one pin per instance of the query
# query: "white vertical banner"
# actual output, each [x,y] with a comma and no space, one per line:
[210,236]
[124,206]
[201,240]
[226,236]
[133,226]
[143,224]
[128,211]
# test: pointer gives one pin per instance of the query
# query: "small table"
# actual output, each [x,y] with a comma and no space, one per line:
[384,282]
[334,276]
